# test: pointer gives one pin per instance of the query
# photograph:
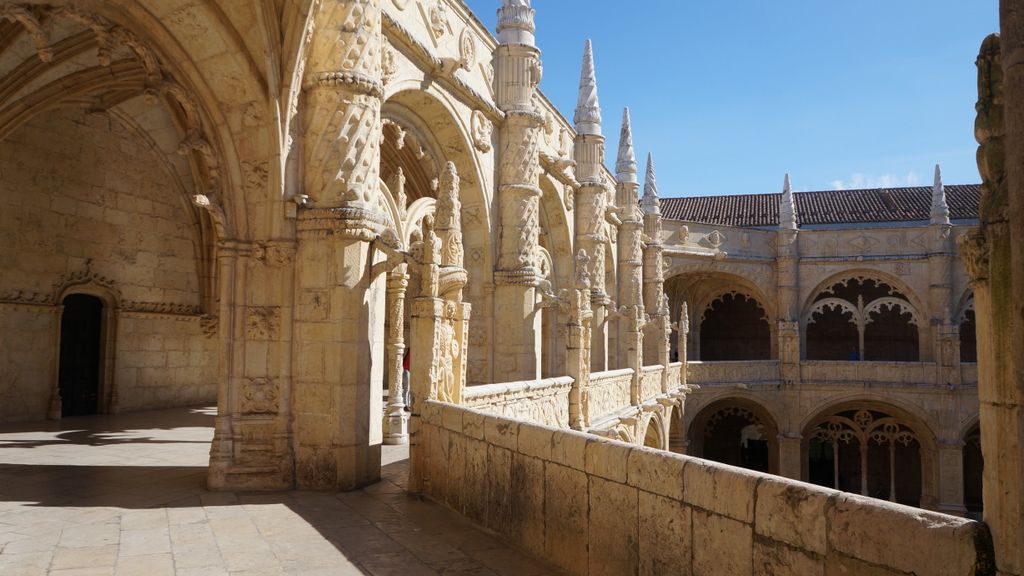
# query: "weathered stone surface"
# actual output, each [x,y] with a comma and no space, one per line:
[721,545]
[499,490]
[569,448]
[793,513]
[773,558]
[721,489]
[501,432]
[528,499]
[536,441]
[866,529]
[609,460]
[614,537]
[665,535]
[655,471]
[566,525]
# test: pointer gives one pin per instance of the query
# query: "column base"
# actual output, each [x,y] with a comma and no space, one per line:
[396,426]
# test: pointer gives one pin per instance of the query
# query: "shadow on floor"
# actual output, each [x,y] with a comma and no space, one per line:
[379,530]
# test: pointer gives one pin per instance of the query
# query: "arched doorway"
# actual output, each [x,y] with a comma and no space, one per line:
[868,452]
[738,433]
[974,466]
[968,333]
[81,354]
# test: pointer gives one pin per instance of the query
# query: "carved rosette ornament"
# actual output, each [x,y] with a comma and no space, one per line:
[260,396]
[342,89]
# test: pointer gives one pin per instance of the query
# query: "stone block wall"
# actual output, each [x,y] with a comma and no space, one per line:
[595,506]
[164,361]
[28,360]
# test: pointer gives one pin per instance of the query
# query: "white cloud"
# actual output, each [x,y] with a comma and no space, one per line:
[860,180]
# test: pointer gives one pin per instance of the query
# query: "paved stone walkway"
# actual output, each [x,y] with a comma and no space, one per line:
[124,495]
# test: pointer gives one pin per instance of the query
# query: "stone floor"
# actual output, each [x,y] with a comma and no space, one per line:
[124,495]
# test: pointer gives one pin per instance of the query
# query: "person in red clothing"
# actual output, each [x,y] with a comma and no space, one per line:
[406,365]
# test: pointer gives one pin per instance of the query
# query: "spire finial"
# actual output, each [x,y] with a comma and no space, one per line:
[588,110]
[625,164]
[940,210]
[515,23]
[650,203]
[787,207]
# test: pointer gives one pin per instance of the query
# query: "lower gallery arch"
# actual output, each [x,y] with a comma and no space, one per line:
[652,437]
[738,432]
[676,438]
[871,449]
[974,465]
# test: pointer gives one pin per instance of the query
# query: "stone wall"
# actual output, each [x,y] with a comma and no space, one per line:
[164,361]
[87,205]
[594,506]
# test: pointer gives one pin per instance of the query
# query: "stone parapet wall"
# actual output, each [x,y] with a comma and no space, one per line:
[540,401]
[597,506]
[746,371]
[756,371]
[609,392]
[650,381]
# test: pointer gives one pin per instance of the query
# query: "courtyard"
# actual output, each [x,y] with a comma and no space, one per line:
[125,495]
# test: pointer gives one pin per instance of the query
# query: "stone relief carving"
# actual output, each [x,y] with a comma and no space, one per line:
[262,322]
[467,49]
[388,64]
[438,20]
[482,130]
[260,396]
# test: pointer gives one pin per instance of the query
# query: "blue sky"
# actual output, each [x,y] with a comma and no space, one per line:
[731,95]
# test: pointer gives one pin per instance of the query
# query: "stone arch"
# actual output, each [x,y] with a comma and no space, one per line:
[973,468]
[108,88]
[870,446]
[555,242]
[676,434]
[699,289]
[443,134]
[863,315]
[653,434]
[965,321]
[738,431]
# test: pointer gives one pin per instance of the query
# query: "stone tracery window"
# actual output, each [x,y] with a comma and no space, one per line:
[862,319]
[737,435]
[867,452]
[735,327]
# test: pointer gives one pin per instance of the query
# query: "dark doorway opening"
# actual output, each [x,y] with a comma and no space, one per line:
[81,351]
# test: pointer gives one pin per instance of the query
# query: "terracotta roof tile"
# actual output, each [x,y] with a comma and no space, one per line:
[825,207]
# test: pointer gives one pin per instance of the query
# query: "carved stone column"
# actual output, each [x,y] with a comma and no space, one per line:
[790,455]
[340,285]
[788,287]
[656,335]
[396,419]
[630,240]
[578,345]
[995,258]
[591,202]
[440,335]
[517,321]
[682,334]
[951,478]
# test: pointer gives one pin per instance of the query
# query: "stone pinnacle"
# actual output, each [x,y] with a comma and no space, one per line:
[625,164]
[588,110]
[940,210]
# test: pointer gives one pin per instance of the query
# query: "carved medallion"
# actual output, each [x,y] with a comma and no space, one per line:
[467,49]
